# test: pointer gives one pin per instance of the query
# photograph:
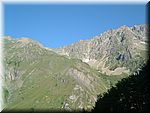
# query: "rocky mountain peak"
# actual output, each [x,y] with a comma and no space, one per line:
[8,37]
[118,47]
[24,40]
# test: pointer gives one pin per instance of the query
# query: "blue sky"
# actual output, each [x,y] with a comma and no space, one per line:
[57,25]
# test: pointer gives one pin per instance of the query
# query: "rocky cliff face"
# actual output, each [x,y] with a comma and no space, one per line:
[70,78]
[113,49]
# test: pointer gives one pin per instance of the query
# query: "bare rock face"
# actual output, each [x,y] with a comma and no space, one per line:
[112,49]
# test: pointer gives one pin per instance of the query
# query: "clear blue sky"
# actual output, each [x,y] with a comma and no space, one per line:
[59,25]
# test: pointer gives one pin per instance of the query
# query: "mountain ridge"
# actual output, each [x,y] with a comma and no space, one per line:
[96,48]
[37,77]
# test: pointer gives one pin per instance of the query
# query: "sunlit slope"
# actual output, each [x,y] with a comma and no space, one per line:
[37,78]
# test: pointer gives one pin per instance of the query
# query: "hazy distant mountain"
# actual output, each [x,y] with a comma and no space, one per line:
[70,78]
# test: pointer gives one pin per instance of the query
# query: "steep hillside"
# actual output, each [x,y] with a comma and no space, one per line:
[37,78]
[70,78]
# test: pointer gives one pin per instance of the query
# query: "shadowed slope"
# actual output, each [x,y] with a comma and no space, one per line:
[131,94]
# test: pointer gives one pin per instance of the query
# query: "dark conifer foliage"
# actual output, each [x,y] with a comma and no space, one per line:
[130,94]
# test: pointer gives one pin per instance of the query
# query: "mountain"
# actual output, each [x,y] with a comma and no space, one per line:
[37,78]
[70,78]
[112,52]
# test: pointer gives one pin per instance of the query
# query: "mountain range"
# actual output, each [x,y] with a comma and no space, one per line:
[70,77]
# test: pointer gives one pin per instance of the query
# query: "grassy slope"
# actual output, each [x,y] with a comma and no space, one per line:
[42,82]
